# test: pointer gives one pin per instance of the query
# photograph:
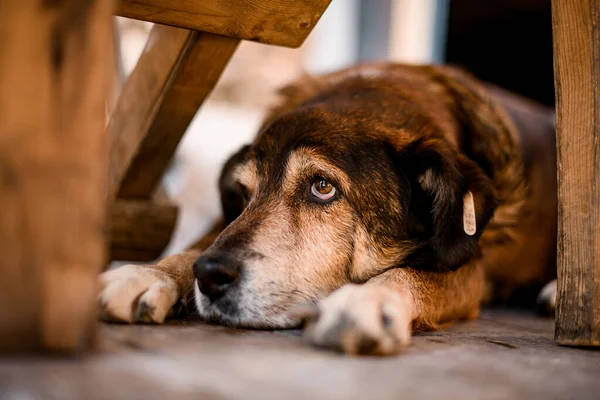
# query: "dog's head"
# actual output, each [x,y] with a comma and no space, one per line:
[364,173]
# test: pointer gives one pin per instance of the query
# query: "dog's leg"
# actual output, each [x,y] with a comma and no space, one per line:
[377,317]
[147,293]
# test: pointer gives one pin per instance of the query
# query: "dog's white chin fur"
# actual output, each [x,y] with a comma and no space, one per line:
[248,315]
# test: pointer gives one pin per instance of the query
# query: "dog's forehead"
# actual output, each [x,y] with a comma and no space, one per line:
[317,140]
[356,128]
[298,127]
[350,116]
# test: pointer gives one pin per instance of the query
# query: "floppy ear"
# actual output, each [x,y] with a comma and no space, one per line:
[451,202]
[233,199]
[488,135]
[488,165]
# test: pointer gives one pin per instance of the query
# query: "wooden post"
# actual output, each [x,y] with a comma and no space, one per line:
[53,163]
[576,30]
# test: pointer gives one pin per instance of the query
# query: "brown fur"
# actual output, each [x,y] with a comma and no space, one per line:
[402,146]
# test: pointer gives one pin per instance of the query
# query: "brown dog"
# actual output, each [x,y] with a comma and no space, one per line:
[385,195]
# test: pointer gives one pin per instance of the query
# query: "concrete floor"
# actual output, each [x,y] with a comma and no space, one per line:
[503,355]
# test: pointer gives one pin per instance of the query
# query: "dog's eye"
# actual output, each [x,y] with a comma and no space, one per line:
[322,189]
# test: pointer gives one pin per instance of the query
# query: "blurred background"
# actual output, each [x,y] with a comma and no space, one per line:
[505,42]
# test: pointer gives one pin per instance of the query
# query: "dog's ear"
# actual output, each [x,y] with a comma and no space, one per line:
[451,201]
[487,133]
[487,165]
[233,198]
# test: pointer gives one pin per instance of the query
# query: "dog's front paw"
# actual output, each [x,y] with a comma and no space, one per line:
[135,293]
[361,319]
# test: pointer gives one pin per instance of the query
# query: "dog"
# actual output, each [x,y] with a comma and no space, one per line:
[376,201]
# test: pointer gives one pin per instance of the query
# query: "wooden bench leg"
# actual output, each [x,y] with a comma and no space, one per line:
[53,80]
[174,75]
[577,75]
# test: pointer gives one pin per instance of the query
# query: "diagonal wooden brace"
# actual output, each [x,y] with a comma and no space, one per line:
[176,72]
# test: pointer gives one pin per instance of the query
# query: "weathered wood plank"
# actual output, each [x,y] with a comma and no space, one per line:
[53,81]
[176,72]
[280,22]
[576,33]
[140,230]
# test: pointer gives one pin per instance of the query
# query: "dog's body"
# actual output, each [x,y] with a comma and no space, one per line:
[385,194]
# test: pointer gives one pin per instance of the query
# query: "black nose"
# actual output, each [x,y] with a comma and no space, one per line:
[216,274]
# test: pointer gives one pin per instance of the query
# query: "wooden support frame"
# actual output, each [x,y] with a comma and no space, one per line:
[174,75]
[576,32]
[53,86]
[280,22]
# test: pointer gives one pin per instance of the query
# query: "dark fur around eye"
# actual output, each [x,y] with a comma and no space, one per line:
[233,199]
[244,191]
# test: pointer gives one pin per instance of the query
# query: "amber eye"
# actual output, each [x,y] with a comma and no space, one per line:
[322,189]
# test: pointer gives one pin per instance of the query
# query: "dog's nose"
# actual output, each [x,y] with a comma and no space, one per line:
[216,275]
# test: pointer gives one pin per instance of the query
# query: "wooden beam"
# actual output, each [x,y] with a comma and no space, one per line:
[176,72]
[576,33]
[139,230]
[141,97]
[280,22]
[53,86]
